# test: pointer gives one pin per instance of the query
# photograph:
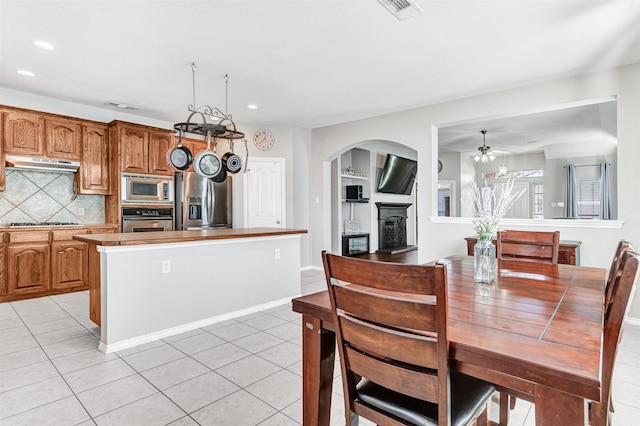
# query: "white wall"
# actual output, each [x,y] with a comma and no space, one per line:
[414,128]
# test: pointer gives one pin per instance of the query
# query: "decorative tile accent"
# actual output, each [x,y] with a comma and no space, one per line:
[41,206]
[32,196]
[40,179]
[18,188]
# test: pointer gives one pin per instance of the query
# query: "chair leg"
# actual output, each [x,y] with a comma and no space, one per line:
[504,408]
[483,417]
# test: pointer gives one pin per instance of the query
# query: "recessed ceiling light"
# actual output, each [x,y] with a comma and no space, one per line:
[26,73]
[252,106]
[43,45]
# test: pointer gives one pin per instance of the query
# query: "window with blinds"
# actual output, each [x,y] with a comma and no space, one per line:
[588,198]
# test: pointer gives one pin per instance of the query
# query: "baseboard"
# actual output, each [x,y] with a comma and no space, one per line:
[633,321]
[312,268]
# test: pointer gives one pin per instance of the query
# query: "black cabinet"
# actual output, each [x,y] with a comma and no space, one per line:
[355,244]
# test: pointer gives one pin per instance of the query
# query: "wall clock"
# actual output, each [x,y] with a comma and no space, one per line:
[263,140]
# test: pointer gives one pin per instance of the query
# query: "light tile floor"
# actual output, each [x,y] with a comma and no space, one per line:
[245,371]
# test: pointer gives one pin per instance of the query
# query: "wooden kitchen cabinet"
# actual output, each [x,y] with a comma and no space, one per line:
[93,177]
[3,267]
[62,138]
[23,133]
[28,259]
[134,150]
[159,146]
[141,149]
[94,275]
[68,265]
[36,263]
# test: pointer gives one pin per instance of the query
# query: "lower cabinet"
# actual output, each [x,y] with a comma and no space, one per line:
[40,263]
[68,264]
[28,267]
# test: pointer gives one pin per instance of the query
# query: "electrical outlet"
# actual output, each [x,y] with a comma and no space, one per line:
[166,266]
[80,211]
[277,254]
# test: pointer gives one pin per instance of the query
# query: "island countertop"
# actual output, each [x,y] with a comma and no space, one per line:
[163,237]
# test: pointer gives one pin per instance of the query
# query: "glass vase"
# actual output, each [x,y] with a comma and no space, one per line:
[485,265]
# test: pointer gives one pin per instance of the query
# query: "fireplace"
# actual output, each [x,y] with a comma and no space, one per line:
[392,228]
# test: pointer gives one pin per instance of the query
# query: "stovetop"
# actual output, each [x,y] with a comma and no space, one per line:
[43,223]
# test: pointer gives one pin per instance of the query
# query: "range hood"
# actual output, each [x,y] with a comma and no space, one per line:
[42,164]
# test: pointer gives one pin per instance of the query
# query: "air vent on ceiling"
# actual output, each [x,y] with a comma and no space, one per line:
[402,9]
[121,105]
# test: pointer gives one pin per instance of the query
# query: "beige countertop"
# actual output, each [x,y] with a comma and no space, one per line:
[162,237]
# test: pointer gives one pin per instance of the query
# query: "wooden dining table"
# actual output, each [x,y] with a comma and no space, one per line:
[537,330]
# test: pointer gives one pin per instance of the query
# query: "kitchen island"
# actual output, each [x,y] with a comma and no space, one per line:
[149,285]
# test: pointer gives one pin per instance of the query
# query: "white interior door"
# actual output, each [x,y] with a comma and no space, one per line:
[264,193]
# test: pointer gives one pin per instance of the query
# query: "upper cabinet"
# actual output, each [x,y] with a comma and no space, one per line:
[23,133]
[142,150]
[159,145]
[62,138]
[93,177]
[134,149]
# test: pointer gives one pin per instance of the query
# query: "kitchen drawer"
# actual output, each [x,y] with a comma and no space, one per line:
[107,229]
[28,237]
[67,234]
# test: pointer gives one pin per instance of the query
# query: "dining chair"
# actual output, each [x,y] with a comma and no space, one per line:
[528,245]
[531,246]
[622,289]
[614,317]
[614,270]
[392,332]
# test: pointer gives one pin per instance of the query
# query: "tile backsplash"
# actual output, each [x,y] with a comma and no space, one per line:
[33,196]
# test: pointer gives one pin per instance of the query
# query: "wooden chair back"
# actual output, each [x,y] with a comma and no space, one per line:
[614,271]
[391,327]
[621,295]
[528,245]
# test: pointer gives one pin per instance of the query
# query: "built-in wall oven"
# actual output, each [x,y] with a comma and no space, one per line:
[137,219]
[146,189]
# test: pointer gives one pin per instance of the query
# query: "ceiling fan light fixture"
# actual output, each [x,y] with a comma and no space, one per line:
[486,154]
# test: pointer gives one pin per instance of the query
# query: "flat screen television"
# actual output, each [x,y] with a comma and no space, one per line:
[398,175]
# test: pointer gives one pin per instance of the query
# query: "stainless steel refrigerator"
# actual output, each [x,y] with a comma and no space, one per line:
[201,202]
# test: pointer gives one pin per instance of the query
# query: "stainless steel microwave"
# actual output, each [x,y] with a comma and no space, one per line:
[146,189]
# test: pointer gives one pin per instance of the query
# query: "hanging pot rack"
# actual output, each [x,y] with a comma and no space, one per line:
[225,128]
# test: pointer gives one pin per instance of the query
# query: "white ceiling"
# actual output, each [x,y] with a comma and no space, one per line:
[304,62]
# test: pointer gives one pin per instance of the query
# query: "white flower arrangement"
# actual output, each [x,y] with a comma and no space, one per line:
[488,209]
